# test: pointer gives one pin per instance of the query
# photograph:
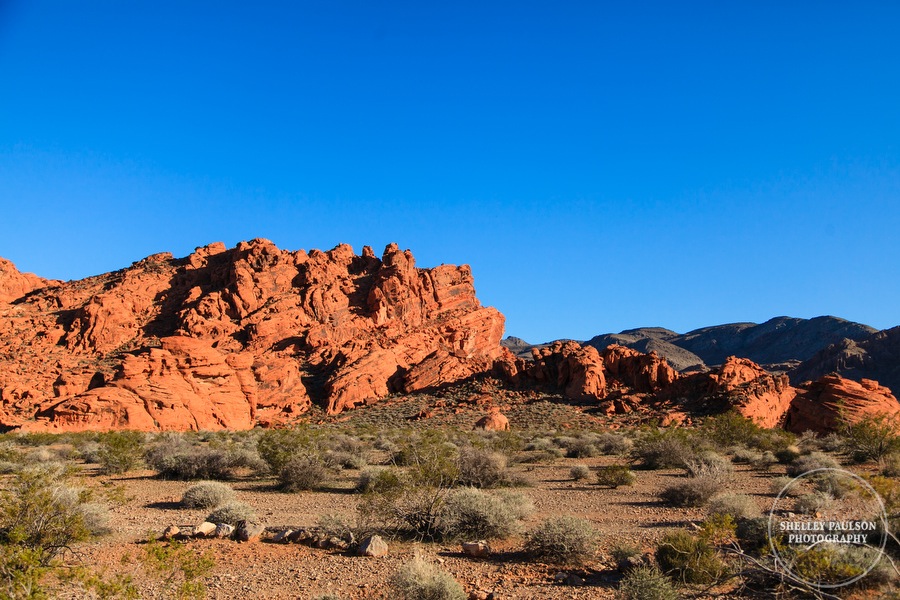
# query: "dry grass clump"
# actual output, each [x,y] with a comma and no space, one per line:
[473,514]
[562,540]
[232,513]
[207,494]
[421,580]
[692,492]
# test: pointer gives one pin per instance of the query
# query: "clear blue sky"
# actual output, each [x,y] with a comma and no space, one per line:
[600,165]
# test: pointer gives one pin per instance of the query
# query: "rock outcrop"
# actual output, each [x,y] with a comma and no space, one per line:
[231,338]
[832,401]
[576,370]
[638,371]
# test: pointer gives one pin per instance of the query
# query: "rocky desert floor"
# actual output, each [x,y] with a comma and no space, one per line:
[143,505]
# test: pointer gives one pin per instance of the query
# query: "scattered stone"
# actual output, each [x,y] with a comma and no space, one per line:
[205,529]
[568,579]
[374,546]
[247,530]
[479,549]
[283,536]
[224,530]
[170,532]
[300,536]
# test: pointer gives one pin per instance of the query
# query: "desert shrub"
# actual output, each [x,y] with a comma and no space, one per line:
[344,460]
[89,451]
[890,464]
[232,513]
[563,540]
[626,556]
[302,472]
[872,437]
[120,451]
[579,472]
[709,465]
[646,583]
[41,513]
[745,456]
[207,494]
[615,475]
[833,483]
[10,458]
[691,492]
[663,449]
[377,479]
[787,455]
[779,484]
[402,503]
[811,504]
[174,457]
[737,506]
[472,514]
[420,580]
[540,444]
[718,529]
[730,429]
[338,526]
[278,446]
[581,447]
[613,443]
[689,558]
[481,468]
[765,462]
[753,534]
[810,462]
[833,442]
[180,569]
[828,564]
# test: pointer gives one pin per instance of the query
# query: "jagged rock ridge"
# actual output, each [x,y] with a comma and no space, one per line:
[230,338]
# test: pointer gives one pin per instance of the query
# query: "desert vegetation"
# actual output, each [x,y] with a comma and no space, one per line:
[642,512]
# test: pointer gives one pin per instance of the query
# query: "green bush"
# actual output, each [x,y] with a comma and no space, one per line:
[420,580]
[689,559]
[872,437]
[120,451]
[731,429]
[278,446]
[562,540]
[472,514]
[663,449]
[232,513]
[615,475]
[691,492]
[207,494]
[646,583]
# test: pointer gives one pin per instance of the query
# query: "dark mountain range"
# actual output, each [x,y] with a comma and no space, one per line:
[780,344]
[874,357]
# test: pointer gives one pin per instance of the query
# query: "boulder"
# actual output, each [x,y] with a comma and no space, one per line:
[373,546]
[479,549]
[493,421]
[224,530]
[246,531]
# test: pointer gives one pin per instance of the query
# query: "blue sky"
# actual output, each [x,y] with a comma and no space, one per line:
[600,165]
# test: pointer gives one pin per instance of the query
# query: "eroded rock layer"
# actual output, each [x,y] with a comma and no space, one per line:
[231,338]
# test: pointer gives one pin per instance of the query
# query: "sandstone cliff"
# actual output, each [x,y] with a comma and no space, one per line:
[231,338]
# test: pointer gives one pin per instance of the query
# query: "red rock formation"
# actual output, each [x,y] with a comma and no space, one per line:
[824,405]
[752,391]
[638,371]
[14,285]
[577,370]
[231,338]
